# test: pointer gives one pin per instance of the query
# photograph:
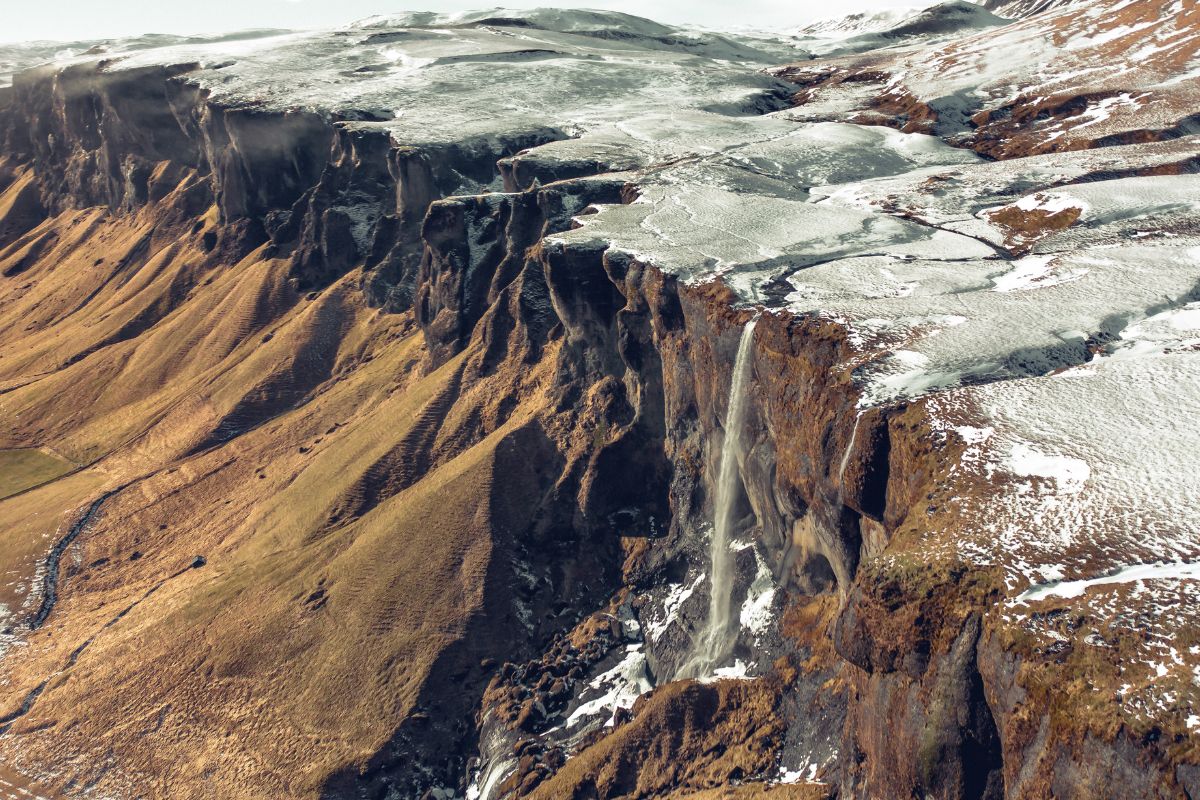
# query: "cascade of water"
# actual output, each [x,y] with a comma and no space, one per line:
[714,642]
[849,450]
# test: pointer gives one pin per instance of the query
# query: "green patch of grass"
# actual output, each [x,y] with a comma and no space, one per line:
[24,469]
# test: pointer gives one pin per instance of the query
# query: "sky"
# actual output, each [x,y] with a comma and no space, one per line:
[67,20]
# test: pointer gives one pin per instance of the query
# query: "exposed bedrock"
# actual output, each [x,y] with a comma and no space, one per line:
[96,137]
[371,200]
[822,487]
[825,488]
[475,247]
[333,193]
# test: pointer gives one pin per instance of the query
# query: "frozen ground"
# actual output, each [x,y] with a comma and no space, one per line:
[486,74]
[1080,73]
[17,56]
[746,211]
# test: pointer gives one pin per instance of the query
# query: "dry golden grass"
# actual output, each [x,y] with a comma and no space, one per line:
[684,737]
[30,524]
[25,469]
[247,424]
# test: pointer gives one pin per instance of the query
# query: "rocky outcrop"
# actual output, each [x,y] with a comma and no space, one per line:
[333,193]
[475,247]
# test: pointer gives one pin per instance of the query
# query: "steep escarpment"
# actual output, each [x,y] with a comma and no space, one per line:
[336,193]
[811,509]
[394,443]
[194,294]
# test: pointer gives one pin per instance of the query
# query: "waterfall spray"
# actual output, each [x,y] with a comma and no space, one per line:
[714,642]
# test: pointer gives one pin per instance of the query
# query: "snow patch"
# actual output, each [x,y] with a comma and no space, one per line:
[1034,272]
[1049,202]
[906,374]
[972,435]
[1070,474]
[756,614]
[676,596]
[622,685]
[1178,571]
[738,671]
[1175,329]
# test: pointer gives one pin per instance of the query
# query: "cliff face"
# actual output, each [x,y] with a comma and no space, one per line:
[389,466]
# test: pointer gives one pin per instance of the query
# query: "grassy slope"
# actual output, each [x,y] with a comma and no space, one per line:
[23,469]
[245,421]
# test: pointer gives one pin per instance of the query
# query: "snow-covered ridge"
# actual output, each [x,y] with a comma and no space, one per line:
[430,78]
[562,20]
[1061,76]
[898,27]
[18,56]
[842,27]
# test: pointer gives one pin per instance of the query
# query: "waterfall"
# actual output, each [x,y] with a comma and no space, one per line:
[714,642]
[849,451]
